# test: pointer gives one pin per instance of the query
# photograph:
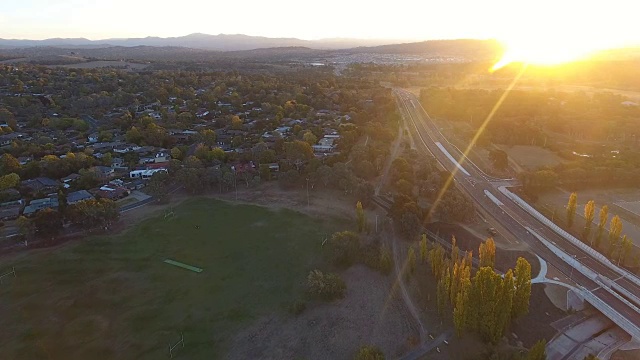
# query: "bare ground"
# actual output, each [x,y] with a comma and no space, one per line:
[370,314]
[321,202]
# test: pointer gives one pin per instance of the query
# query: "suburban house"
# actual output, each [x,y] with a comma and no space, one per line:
[40,204]
[112,192]
[77,196]
[162,157]
[103,172]
[136,184]
[144,174]
[24,160]
[326,144]
[71,178]
[6,140]
[10,210]
[118,164]
[40,184]
[274,167]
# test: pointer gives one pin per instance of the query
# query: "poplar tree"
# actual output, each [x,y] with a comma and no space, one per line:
[423,248]
[589,214]
[615,229]
[454,250]
[571,208]
[604,215]
[360,216]
[625,248]
[411,260]
[487,253]
[522,288]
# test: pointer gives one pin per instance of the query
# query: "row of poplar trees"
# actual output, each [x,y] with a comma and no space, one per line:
[619,247]
[484,302]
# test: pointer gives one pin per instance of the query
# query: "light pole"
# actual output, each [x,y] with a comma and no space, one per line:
[575,258]
[307,192]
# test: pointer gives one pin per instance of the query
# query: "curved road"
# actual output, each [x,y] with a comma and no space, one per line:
[510,215]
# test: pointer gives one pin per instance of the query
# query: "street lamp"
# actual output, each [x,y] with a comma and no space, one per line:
[307,192]
[575,258]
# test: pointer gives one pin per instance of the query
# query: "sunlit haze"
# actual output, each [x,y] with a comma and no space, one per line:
[542,31]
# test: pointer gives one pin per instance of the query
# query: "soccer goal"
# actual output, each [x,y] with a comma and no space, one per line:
[169,213]
[174,346]
[12,272]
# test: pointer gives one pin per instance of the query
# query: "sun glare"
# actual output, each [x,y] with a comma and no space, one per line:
[540,52]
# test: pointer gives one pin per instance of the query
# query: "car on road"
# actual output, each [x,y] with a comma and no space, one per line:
[492,231]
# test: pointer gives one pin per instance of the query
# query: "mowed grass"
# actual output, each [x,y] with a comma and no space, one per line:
[115,298]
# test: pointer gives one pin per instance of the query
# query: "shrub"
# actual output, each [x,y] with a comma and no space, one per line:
[369,353]
[344,248]
[326,286]
[386,261]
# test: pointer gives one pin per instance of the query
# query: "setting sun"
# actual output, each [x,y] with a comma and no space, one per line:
[542,53]
[544,37]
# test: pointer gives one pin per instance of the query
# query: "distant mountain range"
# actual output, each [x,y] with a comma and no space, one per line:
[221,42]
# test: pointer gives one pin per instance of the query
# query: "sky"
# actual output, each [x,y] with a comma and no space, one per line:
[592,23]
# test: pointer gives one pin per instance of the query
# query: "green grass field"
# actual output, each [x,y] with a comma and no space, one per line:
[115,298]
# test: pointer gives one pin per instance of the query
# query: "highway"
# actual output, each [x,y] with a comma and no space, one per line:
[471,180]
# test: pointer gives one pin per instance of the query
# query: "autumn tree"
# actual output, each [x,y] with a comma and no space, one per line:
[602,222]
[297,152]
[486,290]
[93,212]
[207,137]
[589,214]
[626,246]
[455,251]
[48,222]
[538,351]
[26,228]
[9,164]
[423,248]
[442,291]
[461,304]
[236,123]
[487,253]
[504,305]
[571,208]
[9,181]
[360,217]
[369,353]
[176,153]
[522,288]
[309,137]
[615,229]
[343,248]
[437,260]
[411,260]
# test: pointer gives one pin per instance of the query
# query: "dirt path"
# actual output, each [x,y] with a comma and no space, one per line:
[399,272]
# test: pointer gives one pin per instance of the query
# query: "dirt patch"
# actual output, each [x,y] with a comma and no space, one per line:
[626,355]
[370,314]
[536,324]
[321,202]
[557,295]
